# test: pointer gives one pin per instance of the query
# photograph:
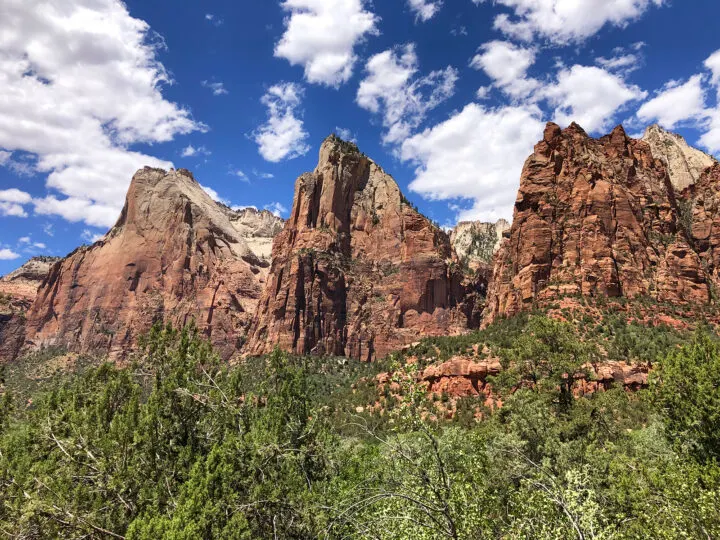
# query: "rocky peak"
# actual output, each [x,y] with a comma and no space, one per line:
[33,272]
[596,217]
[684,163]
[356,270]
[174,255]
[18,290]
[476,242]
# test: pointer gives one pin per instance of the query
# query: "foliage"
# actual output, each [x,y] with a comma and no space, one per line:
[179,445]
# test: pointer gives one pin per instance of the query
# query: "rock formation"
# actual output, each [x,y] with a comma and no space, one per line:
[595,217]
[174,256]
[700,212]
[357,271]
[476,241]
[17,293]
[684,163]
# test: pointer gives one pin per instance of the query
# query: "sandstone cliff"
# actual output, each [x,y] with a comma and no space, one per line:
[174,255]
[684,163]
[18,290]
[595,217]
[356,271]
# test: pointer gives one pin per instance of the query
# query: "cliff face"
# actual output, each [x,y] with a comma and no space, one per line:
[476,241]
[700,212]
[17,293]
[684,163]
[356,271]
[596,217]
[173,256]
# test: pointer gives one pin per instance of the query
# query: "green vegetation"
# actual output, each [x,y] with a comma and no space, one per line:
[180,446]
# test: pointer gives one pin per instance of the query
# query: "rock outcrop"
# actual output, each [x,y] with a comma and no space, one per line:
[700,212]
[174,255]
[595,217]
[684,163]
[357,271]
[18,290]
[476,241]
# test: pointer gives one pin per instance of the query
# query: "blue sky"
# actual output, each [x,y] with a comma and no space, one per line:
[448,96]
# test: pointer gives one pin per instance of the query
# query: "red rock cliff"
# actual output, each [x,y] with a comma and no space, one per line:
[356,270]
[597,217]
[173,256]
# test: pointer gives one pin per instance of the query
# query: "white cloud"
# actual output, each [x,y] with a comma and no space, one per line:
[39,245]
[90,236]
[8,255]
[191,151]
[589,96]
[391,89]
[24,240]
[424,10]
[240,174]
[623,60]
[675,103]
[218,88]
[483,93]
[713,64]
[565,21]
[263,175]
[345,134]
[4,157]
[477,154]
[12,201]
[81,81]
[9,209]
[282,136]
[214,19]
[276,208]
[507,64]
[321,36]
[214,195]
[76,209]
[15,196]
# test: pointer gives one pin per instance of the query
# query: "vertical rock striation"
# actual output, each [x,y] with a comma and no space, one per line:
[356,271]
[595,217]
[174,256]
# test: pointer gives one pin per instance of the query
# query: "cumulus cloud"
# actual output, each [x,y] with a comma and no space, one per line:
[424,10]
[12,201]
[675,103]
[217,88]
[100,64]
[4,157]
[713,64]
[283,135]
[566,21]
[321,36]
[8,255]
[507,65]
[477,154]
[390,88]
[590,96]
[76,209]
